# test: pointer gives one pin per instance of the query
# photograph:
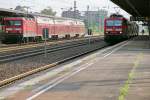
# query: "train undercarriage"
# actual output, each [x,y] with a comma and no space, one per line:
[15,38]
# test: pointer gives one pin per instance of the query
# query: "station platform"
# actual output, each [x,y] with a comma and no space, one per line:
[120,72]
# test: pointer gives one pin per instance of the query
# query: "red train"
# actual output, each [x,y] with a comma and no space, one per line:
[23,29]
[118,28]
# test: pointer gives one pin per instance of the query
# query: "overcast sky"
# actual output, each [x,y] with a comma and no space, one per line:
[37,5]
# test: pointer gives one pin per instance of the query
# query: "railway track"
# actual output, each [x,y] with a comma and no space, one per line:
[33,45]
[39,69]
[11,57]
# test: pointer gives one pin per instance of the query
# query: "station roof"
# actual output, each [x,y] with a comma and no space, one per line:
[135,7]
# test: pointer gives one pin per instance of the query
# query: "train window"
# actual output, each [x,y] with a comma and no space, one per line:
[13,23]
[124,22]
[117,23]
[113,22]
[110,23]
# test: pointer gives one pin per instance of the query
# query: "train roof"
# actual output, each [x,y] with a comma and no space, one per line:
[46,16]
[14,13]
[47,20]
[17,18]
[57,18]
[54,17]
[116,18]
[30,15]
[116,15]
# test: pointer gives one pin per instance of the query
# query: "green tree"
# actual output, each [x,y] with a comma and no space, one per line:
[20,8]
[48,11]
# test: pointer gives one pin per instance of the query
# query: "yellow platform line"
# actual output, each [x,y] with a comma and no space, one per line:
[125,89]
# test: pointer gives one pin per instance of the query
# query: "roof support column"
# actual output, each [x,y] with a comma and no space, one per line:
[149,8]
[149,18]
[149,27]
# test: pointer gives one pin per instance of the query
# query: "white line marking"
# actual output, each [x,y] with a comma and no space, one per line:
[47,75]
[60,79]
[105,49]
[51,82]
[116,49]
[21,86]
[68,75]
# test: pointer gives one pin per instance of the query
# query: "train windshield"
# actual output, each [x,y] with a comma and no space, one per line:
[13,23]
[113,23]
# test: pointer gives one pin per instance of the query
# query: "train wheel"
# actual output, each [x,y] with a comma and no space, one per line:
[54,37]
[38,39]
[24,40]
[77,35]
[67,36]
[19,39]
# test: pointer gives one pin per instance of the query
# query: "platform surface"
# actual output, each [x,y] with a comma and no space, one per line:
[102,77]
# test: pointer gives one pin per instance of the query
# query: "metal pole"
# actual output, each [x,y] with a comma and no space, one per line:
[27,17]
[149,26]
[88,16]
[75,9]
[88,22]
[45,44]
[99,21]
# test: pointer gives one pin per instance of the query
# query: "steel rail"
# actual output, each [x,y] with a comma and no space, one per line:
[12,57]
[20,47]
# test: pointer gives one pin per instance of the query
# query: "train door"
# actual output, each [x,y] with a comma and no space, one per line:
[45,33]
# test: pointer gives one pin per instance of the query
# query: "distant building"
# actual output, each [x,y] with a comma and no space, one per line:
[71,14]
[93,19]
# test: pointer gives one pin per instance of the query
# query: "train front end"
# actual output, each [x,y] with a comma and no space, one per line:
[114,29]
[13,30]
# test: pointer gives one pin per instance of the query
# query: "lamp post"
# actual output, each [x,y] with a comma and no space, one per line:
[45,43]
[27,12]
[88,24]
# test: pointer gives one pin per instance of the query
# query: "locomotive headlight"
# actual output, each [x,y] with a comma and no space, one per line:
[120,32]
[18,29]
[9,29]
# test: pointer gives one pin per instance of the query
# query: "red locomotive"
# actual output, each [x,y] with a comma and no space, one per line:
[118,28]
[23,29]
